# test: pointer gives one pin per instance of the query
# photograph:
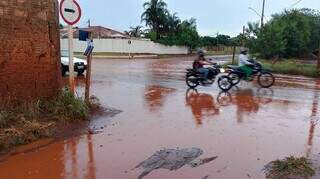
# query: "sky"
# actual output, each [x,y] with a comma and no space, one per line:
[213,16]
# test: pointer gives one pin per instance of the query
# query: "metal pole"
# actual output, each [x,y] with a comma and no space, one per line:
[88,76]
[262,15]
[71,65]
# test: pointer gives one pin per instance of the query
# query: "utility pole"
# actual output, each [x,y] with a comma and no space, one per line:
[71,65]
[243,35]
[262,15]
[318,64]
[217,38]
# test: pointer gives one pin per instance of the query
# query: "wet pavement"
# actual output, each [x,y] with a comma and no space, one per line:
[246,128]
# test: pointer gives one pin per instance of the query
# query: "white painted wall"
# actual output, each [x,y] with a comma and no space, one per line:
[122,46]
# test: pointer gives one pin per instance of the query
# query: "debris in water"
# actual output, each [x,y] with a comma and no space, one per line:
[199,162]
[171,159]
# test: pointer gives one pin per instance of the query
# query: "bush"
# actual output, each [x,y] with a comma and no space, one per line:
[290,167]
[26,122]
[66,107]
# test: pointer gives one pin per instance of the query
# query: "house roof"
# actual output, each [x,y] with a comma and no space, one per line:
[97,32]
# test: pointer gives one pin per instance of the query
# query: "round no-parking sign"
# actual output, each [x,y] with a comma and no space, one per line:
[70,11]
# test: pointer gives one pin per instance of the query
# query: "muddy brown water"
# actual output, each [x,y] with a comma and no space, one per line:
[246,129]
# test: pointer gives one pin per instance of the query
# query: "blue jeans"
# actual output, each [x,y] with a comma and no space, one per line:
[204,71]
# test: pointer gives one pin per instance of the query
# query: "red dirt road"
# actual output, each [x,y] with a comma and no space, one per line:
[246,129]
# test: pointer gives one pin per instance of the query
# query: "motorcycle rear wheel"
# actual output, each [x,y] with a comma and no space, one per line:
[266,79]
[192,80]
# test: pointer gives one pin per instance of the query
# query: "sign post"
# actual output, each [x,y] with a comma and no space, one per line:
[71,65]
[129,42]
[71,13]
[89,62]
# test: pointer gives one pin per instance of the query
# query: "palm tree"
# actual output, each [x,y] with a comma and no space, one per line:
[135,31]
[155,15]
[173,23]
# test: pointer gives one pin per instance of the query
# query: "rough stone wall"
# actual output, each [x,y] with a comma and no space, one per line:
[29,49]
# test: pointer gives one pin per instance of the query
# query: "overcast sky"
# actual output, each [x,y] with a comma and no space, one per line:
[223,16]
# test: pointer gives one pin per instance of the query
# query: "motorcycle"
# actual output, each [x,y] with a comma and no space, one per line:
[265,77]
[194,78]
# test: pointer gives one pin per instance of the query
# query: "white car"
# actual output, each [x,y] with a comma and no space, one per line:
[80,65]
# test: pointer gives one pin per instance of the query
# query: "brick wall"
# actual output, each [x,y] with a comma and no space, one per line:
[29,48]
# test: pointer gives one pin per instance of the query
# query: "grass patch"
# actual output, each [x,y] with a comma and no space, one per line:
[290,67]
[293,68]
[290,167]
[22,123]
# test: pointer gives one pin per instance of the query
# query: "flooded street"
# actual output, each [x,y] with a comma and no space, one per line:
[246,128]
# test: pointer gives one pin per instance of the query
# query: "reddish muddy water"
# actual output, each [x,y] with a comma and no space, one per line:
[246,128]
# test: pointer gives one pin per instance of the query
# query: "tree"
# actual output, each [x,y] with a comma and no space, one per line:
[296,31]
[187,35]
[172,23]
[292,33]
[155,15]
[135,31]
[270,42]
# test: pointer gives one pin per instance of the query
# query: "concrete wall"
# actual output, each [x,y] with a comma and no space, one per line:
[29,49]
[122,46]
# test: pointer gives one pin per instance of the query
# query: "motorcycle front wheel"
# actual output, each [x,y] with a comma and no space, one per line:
[225,83]
[192,80]
[266,79]
[234,78]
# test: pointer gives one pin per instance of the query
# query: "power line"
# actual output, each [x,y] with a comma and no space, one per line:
[255,11]
[296,3]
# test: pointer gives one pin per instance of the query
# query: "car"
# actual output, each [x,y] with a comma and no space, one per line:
[80,65]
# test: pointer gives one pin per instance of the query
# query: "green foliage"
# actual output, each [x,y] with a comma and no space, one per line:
[225,40]
[26,122]
[270,42]
[167,28]
[155,16]
[293,33]
[186,34]
[135,31]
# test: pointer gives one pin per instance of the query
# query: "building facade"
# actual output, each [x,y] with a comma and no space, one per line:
[29,49]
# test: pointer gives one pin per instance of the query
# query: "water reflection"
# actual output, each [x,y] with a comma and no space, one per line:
[73,158]
[246,103]
[155,97]
[202,105]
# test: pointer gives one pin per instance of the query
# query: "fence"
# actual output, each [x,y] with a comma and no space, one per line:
[140,46]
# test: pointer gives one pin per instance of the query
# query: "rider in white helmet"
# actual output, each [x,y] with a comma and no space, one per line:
[244,62]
